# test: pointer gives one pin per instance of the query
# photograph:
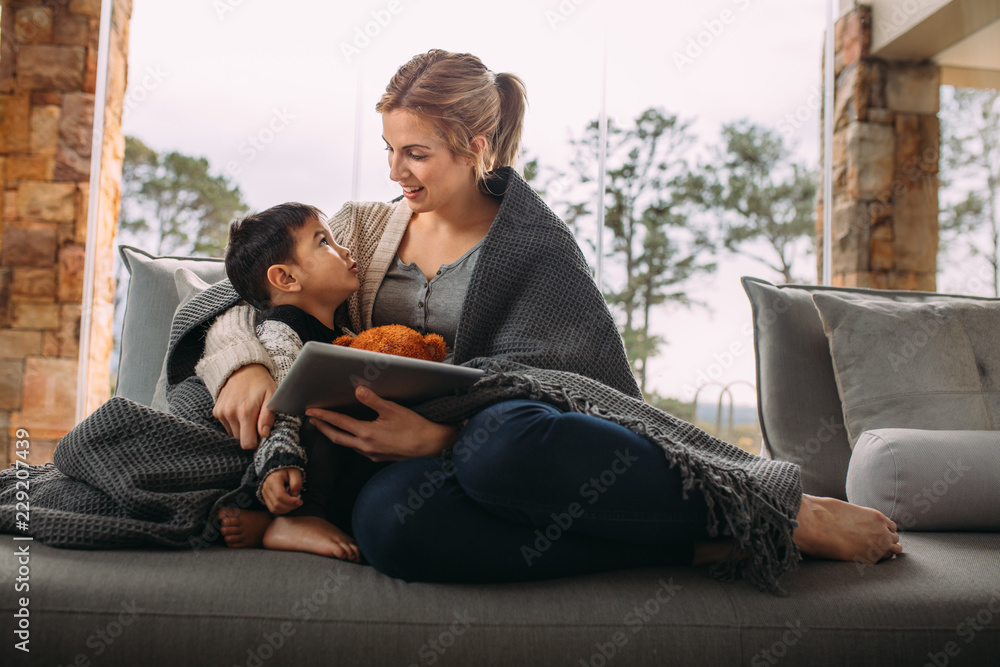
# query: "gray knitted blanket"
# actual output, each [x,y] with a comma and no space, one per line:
[130,476]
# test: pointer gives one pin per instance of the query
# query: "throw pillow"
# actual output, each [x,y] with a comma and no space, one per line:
[149,308]
[928,480]
[914,365]
[188,285]
[798,402]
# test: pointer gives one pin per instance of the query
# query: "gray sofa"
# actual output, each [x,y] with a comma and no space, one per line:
[937,604]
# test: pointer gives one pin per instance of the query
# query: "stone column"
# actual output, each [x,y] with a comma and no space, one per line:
[886,144]
[48,77]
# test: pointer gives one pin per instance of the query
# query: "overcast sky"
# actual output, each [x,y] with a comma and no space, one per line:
[267,91]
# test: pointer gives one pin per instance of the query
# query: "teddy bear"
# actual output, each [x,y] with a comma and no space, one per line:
[399,340]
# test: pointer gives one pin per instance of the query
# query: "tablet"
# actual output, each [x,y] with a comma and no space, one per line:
[326,375]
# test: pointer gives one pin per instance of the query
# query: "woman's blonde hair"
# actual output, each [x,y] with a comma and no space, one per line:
[459,98]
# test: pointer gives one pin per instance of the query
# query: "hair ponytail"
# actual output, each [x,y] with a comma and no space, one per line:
[460,98]
[513,103]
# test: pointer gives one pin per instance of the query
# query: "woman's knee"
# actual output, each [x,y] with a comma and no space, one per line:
[496,444]
[492,434]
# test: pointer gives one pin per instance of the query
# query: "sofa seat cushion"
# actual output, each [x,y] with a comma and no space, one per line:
[253,607]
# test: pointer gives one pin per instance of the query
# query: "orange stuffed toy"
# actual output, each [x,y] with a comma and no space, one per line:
[399,340]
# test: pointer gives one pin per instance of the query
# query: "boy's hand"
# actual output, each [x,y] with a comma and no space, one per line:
[278,498]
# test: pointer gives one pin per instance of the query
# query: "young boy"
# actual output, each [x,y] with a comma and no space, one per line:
[285,264]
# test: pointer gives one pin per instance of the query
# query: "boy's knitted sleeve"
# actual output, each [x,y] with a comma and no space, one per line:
[230,344]
[281,449]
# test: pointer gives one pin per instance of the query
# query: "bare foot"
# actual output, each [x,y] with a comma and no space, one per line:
[831,528]
[242,528]
[312,535]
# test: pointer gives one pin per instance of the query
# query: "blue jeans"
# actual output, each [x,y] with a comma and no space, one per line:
[529,492]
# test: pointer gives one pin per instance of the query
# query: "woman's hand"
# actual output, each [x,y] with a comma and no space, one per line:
[396,434]
[242,405]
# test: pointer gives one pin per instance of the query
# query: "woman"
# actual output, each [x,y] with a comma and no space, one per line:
[569,475]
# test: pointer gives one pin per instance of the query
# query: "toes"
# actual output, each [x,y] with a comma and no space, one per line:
[891,546]
[346,550]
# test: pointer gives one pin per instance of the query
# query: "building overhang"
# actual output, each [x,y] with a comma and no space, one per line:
[961,36]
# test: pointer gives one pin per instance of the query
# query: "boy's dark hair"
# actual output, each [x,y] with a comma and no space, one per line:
[259,241]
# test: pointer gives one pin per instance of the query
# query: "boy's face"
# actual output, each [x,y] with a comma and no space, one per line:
[326,271]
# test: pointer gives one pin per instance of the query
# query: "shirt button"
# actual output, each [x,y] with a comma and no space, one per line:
[439,272]
[420,304]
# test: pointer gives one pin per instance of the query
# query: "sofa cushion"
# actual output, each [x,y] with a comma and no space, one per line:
[798,403]
[928,480]
[932,365]
[149,309]
[218,606]
[188,286]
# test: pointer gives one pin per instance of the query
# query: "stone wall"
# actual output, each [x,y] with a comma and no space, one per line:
[885,166]
[48,77]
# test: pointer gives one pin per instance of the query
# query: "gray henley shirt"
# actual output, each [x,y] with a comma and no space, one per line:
[429,306]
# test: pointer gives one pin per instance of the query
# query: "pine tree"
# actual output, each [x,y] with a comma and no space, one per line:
[654,248]
[172,204]
[766,202]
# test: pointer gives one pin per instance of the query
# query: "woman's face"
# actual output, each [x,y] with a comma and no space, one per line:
[431,176]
